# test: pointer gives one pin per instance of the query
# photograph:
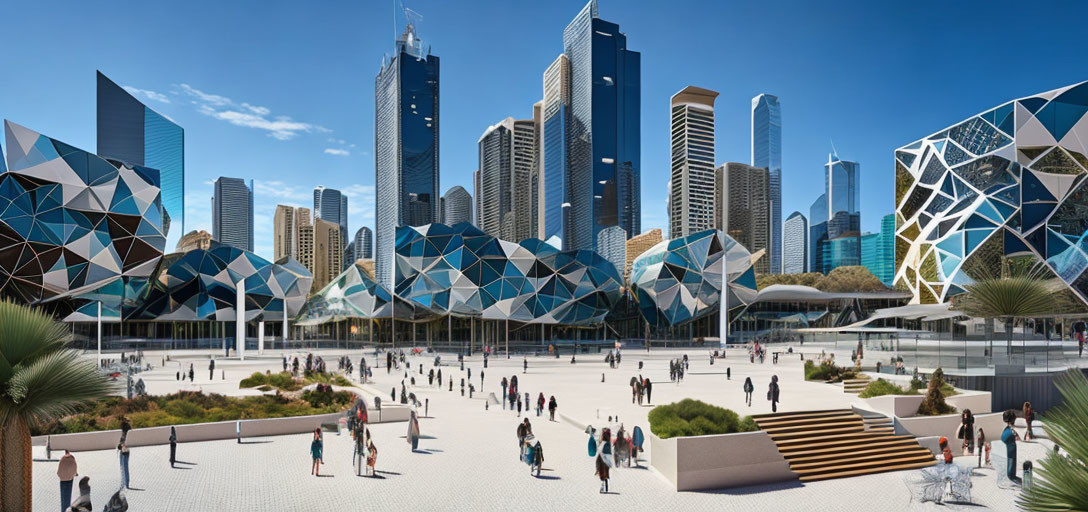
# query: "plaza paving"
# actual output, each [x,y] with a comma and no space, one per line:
[468,457]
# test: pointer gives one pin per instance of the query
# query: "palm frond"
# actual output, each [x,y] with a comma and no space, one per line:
[1061,482]
[53,385]
[24,335]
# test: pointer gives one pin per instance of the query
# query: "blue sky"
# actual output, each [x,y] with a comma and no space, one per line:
[282,92]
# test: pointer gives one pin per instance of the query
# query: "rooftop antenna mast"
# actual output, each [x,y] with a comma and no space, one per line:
[833,150]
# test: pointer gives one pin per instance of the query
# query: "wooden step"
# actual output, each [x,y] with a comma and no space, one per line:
[824,440]
[866,471]
[850,465]
[810,434]
[833,454]
[822,412]
[804,451]
[807,420]
[809,425]
[859,457]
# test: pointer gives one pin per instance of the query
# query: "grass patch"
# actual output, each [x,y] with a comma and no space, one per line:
[326,378]
[191,407]
[695,418]
[282,381]
[881,387]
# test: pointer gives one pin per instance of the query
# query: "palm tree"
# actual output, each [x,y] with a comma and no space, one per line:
[40,380]
[1021,291]
[1059,482]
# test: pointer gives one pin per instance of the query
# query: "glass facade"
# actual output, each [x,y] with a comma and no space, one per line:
[795,244]
[604,130]
[844,251]
[878,250]
[817,233]
[1004,183]
[406,130]
[555,174]
[131,132]
[835,215]
[767,152]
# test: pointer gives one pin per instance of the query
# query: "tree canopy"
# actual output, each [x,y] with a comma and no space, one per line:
[841,280]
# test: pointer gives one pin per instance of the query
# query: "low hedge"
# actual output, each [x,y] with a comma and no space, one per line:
[690,417]
[827,371]
[284,381]
[881,387]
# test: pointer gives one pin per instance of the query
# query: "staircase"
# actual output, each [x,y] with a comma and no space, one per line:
[855,386]
[820,445]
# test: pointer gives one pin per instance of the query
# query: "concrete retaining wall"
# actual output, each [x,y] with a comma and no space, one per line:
[107,439]
[905,406]
[937,426]
[719,461]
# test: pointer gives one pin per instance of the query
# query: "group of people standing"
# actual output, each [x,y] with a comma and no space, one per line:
[610,452]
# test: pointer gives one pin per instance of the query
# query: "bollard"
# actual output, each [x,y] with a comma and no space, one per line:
[238,430]
[426,407]
[1027,476]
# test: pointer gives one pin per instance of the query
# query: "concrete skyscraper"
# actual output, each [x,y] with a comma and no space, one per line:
[406,127]
[284,234]
[456,206]
[331,205]
[232,213]
[795,244]
[767,153]
[507,152]
[131,132]
[603,144]
[328,253]
[748,191]
[691,195]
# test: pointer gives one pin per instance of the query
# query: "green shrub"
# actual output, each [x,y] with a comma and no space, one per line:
[282,381]
[695,418]
[881,387]
[827,371]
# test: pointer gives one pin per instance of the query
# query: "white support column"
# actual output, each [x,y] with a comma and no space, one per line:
[723,297]
[99,334]
[240,320]
[260,337]
[285,327]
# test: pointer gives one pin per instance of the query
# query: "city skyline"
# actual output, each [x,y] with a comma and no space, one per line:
[325,130]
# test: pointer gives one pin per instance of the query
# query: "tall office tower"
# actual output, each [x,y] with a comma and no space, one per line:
[834,215]
[406,126]
[748,191]
[477,189]
[523,161]
[456,206]
[284,234]
[232,213]
[330,204]
[328,253]
[364,244]
[767,152]
[496,151]
[878,250]
[306,247]
[603,151]
[538,168]
[691,196]
[131,132]
[795,244]
[554,196]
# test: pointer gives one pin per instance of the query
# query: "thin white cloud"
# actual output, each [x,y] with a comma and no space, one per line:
[151,95]
[248,115]
[362,202]
[280,190]
[337,152]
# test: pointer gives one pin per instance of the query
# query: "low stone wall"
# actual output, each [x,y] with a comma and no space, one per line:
[905,406]
[196,432]
[946,426]
[719,461]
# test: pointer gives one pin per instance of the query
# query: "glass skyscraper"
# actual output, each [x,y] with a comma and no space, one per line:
[795,244]
[834,215]
[603,146]
[767,152]
[131,132]
[405,146]
[232,213]
[554,191]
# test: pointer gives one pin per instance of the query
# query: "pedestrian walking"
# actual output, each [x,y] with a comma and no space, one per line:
[603,461]
[191,374]
[430,377]
[503,394]
[540,404]
[173,445]
[1010,437]
[439,377]
[514,398]
[316,448]
[966,432]
[648,387]
[211,370]
[481,379]
[772,393]
[413,428]
[728,373]
[284,363]
[66,472]
[748,389]
[552,406]
[1029,416]
[525,365]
